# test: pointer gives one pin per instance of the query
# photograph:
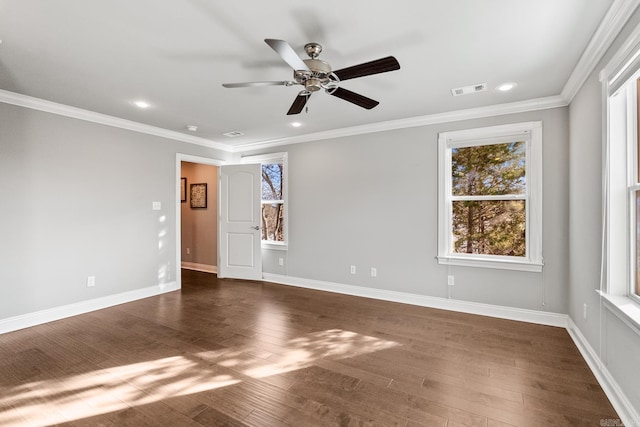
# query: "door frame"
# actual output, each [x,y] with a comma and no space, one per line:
[181,157]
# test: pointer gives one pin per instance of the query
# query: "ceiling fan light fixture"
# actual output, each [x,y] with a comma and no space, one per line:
[296,124]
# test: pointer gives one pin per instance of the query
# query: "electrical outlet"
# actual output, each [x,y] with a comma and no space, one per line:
[353,269]
[374,272]
[280,261]
[450,280]
[91,281]
[584,311]
[188,251]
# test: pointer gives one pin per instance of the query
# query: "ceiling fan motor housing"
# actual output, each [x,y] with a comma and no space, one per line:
[315,79]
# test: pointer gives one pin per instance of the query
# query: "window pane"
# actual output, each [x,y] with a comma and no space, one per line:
[272,222]
[495,169]
[637,248]
[638,129]
[489,227]
[272,181]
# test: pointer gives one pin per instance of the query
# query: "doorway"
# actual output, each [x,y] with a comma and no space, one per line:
[197,213]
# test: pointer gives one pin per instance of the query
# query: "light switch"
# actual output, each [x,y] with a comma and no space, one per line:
[156,206]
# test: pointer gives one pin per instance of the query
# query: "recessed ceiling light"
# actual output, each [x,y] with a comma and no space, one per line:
[504,87]
[296,124]
[142,104]
[192,128]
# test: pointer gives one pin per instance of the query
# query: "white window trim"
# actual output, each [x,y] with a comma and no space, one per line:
[482,136]
[617,245]
[275,158]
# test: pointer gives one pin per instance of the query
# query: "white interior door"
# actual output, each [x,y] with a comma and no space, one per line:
[239,228]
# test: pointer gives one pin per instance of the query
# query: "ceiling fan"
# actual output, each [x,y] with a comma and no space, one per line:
[315,74]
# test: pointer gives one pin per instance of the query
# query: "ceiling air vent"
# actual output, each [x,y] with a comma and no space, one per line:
[233,134]
[481,87]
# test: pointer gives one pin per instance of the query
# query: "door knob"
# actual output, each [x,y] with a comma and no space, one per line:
[256,227]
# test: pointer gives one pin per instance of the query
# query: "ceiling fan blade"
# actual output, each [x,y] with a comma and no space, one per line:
[368,68]
[354,98]
[257,84]
[298,104]
[287,53]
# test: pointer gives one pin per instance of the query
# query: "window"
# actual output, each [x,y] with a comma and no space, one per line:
[634,189]
[490,197]
[620,275]
[272,202]
[273,197]
[623,191]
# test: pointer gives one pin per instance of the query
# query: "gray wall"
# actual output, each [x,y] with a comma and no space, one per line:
[617,345]
[200,225]
[75,200]
[371,201]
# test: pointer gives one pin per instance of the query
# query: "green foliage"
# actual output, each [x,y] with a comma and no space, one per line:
[490,227]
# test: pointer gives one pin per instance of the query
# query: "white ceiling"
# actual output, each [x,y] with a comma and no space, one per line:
[101,55]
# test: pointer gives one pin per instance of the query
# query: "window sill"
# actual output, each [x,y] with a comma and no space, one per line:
[491,263]
[624,308]
[275,246]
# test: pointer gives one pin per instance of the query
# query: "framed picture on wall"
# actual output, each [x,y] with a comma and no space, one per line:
[183,190]
[199,195]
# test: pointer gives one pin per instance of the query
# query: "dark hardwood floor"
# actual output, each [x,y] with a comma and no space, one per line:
[235,353]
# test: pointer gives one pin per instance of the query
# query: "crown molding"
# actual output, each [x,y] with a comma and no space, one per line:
[26,101]
[452,116]
[432,119]
[611,25]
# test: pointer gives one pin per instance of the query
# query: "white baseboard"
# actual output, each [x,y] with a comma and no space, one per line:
[206,268]
[44,316]
[628,415]
[502,312]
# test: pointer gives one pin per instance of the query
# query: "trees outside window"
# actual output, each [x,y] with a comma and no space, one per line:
[488,191]
[272,202]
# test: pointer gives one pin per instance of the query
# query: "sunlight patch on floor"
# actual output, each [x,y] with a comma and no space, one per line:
[47,402]
[301,352]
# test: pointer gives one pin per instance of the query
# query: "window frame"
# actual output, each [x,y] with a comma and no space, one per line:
[620,148]
[275,158]
[633,180]
[531,133]
[622,184]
